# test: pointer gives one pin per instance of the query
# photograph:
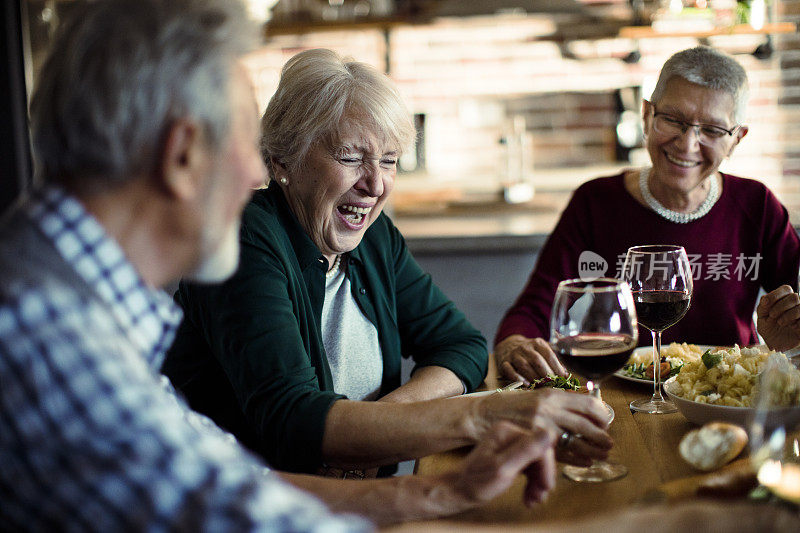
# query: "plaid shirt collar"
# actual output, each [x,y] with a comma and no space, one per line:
[149,315]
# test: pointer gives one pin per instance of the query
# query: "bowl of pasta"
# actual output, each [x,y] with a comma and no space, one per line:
[724,385]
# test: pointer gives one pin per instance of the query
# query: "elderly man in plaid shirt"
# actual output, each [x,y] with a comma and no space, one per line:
[145,134]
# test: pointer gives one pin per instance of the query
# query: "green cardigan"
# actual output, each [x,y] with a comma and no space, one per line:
[249,352]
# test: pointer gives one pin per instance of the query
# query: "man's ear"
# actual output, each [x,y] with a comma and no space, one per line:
[184,155]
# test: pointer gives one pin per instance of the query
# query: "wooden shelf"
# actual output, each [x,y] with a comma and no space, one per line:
[293,28]
[647,32]
[626,32]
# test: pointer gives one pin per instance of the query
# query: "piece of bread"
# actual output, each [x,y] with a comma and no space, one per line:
[733,480]
[713,445]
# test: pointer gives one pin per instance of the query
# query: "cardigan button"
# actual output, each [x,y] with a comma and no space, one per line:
[362,290]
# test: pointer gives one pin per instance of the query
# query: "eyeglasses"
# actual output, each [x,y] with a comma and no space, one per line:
[707,134]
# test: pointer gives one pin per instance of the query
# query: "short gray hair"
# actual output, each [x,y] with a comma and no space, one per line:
[317,89]
[709,68]
[120,72]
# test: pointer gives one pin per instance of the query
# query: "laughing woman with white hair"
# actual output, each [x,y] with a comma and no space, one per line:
[291,352]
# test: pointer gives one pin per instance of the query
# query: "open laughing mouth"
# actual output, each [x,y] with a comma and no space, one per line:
[353,215]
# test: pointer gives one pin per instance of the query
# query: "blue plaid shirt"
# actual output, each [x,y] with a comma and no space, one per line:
[91,436]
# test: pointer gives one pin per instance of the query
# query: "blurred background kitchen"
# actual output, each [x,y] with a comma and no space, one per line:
[516,103]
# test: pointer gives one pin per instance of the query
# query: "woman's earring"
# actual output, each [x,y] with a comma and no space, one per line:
[283,180]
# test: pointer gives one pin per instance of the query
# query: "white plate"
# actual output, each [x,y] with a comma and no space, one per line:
[621,373]
[611,412]
[701,413]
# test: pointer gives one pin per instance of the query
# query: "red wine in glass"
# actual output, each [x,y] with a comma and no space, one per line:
[595,355]
[593,331]
[660,277]
[658,310]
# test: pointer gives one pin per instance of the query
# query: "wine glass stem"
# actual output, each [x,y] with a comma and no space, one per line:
[657,367]
[594,390]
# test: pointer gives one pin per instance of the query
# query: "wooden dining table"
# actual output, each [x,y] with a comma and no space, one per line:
[647,444]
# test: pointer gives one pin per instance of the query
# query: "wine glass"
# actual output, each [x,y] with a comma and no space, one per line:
[593,331]
[661,281]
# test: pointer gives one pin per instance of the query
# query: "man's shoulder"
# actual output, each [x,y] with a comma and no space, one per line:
[38,299]
[37,315]
[27,257]
[37,284]
[23,249]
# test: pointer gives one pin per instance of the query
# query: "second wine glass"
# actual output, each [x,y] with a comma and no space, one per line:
[661,281]
[593,331]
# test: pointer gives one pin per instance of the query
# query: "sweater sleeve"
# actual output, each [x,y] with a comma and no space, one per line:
[781,246]
[252,326]
[558,260]
[431,328]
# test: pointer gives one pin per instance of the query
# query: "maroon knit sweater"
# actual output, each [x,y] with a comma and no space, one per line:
[744,243]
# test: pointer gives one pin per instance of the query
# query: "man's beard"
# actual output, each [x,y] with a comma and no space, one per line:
[220,263]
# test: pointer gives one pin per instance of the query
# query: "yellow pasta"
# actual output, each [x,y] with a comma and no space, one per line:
[676,352]
[732,381]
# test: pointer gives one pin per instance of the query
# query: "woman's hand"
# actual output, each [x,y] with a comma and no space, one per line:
[554,411]
[779,318]
[521,358]
[506,451]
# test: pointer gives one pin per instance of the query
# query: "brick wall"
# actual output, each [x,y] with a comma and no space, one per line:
[470,77]
[788,121]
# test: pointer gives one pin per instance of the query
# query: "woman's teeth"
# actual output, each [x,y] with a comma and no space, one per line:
[354,214]
[681,162]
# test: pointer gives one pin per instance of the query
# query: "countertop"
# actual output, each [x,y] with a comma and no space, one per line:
[483,226]
[437,214]
[484,223]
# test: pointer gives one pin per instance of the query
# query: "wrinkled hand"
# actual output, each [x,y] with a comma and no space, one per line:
[506,451]
[779,318]
[553,411]
[521,358]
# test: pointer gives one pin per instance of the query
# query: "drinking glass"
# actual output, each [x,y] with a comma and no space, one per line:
[661,281]
[774,445]
[593,331]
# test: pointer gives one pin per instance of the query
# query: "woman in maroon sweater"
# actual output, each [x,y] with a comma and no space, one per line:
[737,234]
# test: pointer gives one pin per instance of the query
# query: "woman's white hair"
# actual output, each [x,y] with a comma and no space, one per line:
[709,68]
[120,72]
[317,90]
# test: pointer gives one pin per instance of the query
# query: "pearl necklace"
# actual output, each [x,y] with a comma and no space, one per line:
[674,216]
[330,274]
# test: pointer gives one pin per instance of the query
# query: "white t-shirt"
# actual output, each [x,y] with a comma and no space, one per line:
[351,341]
